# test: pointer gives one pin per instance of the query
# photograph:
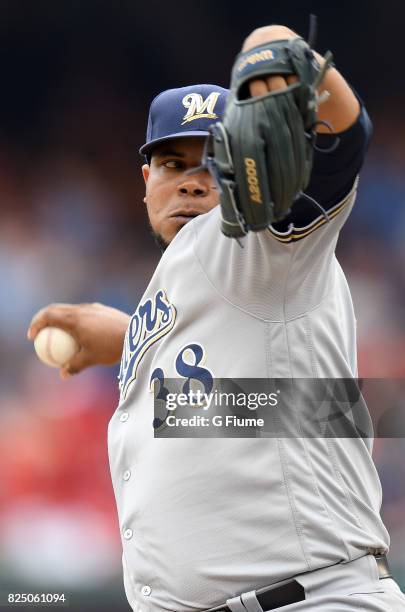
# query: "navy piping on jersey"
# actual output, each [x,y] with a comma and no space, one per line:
[294,234]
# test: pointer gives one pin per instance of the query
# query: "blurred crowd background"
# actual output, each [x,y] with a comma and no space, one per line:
[76,82]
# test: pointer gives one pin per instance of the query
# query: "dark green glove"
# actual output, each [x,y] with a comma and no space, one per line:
[261,155]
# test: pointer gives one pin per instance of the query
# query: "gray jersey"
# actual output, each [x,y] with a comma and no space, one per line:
[204,519]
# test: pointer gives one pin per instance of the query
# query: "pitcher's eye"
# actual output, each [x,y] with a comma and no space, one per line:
[172,163]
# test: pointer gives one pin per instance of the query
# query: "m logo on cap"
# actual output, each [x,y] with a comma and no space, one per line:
[199,108]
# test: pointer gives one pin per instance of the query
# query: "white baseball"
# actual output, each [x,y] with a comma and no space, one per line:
[54,346]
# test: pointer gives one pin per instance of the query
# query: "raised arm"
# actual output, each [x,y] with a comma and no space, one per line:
[341,109]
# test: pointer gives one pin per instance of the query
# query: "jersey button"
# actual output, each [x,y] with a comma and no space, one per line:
[124,417]
[127,475]
[128,533]
[146,590]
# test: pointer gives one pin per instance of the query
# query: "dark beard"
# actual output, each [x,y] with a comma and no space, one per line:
[161,244]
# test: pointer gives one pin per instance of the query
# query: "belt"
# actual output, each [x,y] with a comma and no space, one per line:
[284,593]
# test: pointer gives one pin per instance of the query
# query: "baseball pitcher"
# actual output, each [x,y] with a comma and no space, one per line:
[246,192]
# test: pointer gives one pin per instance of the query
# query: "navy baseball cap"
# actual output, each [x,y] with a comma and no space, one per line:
[186,111]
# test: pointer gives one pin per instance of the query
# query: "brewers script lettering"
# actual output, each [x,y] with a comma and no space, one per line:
[152,320]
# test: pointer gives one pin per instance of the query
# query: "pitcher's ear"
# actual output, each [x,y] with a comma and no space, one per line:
[145,172]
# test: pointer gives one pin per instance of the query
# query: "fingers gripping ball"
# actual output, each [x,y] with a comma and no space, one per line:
[55,347]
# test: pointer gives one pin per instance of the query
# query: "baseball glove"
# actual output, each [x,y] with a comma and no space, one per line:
[261,155]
